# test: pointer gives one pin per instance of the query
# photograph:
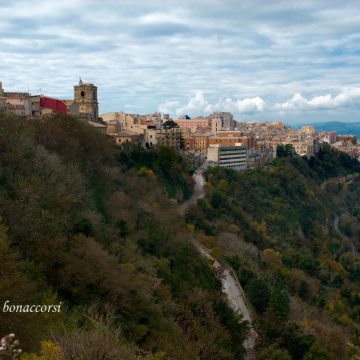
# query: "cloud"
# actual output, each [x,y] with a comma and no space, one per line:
[198,105]
[348,97]
[145,53]
[169,107]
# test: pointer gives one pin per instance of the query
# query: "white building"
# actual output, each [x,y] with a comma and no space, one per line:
[232,157]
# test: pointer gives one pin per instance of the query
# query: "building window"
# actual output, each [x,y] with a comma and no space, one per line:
[82,93]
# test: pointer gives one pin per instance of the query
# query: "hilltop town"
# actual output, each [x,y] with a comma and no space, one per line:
[217,137]
[155,257]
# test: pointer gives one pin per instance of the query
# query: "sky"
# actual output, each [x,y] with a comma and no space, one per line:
[294,61]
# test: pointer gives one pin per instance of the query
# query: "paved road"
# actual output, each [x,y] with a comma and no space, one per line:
[230,285]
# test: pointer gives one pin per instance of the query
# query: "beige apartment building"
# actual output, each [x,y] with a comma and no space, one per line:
[150,137]
[194,124]
[226,119]
[126,137]
[162,136]
[113,127]
[201,143]
[228,140]
[169,137]
[196,143]
[113,116]
[127,121]
[302,148]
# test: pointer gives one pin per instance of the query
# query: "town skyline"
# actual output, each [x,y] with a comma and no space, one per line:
[296,63]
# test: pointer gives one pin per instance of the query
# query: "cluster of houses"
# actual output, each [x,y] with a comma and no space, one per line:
[217,137]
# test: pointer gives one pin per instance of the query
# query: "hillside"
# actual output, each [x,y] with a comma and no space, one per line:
[278,229]
[94,229]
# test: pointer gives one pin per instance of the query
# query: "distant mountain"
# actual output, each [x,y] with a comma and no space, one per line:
[338,126]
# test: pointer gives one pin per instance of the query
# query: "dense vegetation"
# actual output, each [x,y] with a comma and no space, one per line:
[96,228]
[172,170]
[293,240]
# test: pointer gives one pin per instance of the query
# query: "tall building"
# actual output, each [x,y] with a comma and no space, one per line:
[216,125]
[227,119]
[232,157]
[169,137]
[195,143]
[85,95]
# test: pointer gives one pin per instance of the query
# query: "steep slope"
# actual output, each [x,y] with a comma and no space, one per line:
[230,284]
[95,228]
[275,227]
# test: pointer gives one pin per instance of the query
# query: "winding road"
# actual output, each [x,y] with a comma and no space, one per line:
[230,284]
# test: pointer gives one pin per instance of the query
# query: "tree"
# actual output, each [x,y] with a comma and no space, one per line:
[48,351]
[286,150]
[273,259]
[274,353]
[279,303]
[170,124]
[316,352]
[259,293]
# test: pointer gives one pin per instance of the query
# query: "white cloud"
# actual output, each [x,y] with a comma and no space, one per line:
[169,107]
[175,17]
[198,105]
[347,97]
[143,53]
[250,105]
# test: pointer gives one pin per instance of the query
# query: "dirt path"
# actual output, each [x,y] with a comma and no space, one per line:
[199,192]
[230,284]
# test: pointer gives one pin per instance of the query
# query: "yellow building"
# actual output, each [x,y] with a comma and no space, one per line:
[201,143]
[308,130]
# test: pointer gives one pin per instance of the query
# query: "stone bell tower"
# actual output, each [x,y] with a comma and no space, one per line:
[85,95]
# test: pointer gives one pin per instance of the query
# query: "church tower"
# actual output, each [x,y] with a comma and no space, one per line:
[85,95]
[216,125]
